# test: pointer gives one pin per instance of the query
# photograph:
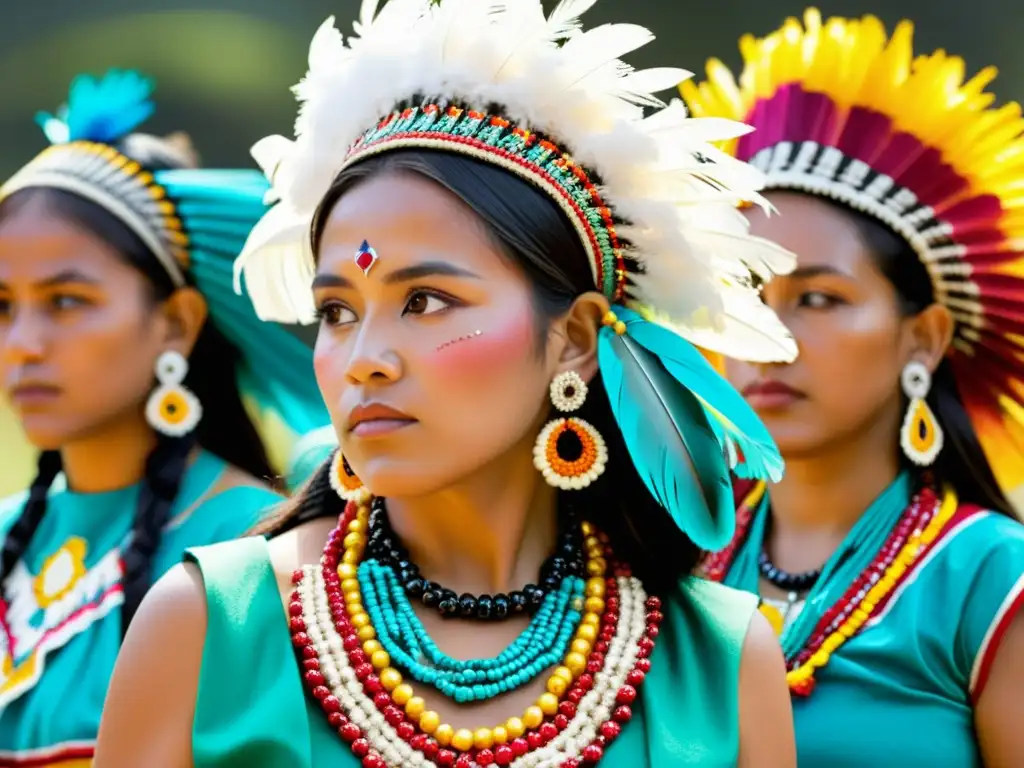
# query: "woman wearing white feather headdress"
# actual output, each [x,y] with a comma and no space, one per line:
[507,406]
[135,369]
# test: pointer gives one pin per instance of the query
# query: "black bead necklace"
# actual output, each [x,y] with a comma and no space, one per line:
[790,582]
[567,560]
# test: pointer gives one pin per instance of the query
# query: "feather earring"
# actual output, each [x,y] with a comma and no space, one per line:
[660,389]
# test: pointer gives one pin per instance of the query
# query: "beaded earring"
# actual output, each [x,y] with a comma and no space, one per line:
[569,452]
[172,409]
[921,436]
[345,482]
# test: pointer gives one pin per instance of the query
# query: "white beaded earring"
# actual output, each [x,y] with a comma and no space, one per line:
[569,452]
[921,436]
[172,409]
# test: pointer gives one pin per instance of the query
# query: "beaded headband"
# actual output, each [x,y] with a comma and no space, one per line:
[495,140]
[845,112]
[653,203]
[101,174]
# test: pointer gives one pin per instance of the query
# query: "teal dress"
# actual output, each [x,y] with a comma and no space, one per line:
[902,691]
[252,710]
[62,628]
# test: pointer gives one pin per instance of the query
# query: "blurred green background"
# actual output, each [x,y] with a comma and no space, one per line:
[223,67]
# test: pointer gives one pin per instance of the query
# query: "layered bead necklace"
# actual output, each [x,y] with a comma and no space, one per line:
[353,626]
[918,527]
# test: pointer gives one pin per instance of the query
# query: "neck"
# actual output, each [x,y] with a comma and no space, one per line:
[487,534]
[110,459]
[826,491]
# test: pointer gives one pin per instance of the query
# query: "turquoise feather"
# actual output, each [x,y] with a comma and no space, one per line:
[103,110]
[683,426]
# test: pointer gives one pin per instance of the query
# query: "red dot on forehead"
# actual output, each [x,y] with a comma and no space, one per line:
[365,257]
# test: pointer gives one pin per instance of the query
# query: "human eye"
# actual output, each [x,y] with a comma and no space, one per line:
[335,313]
[423,302]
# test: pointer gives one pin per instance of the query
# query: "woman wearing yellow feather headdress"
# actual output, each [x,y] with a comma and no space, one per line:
[888,555]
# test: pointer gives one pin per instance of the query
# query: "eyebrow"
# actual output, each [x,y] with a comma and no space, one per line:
[403,275]
[816,271]
[63,278]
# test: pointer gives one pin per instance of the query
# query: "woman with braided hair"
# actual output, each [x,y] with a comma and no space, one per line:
[495,567]
[150,387]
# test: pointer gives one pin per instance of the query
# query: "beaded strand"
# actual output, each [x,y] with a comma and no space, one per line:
[367,711]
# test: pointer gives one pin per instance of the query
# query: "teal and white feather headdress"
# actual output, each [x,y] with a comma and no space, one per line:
[195,222]
[654,203]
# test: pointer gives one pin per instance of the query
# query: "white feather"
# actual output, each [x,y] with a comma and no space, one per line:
[659,173]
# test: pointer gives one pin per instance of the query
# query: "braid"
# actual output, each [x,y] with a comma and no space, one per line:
[24,528]
[316,499]
[165,468]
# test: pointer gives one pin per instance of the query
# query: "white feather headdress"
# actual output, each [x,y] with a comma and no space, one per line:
[662,225]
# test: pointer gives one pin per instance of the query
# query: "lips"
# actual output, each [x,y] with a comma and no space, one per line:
[768,394]
[374,419]
[33,393]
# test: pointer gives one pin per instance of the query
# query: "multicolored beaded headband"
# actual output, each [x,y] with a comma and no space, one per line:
[100,173]
[495,140]
[846,112]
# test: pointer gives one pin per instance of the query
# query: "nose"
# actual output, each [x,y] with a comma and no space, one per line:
[373,356]
[23,340]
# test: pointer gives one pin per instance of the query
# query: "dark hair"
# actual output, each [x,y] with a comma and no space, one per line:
[225,430]
[533,232]
[962,461]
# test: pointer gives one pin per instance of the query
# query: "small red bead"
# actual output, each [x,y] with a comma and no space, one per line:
[445,757]
[567,709]
[321,692]
[300,639]
[592,753]
[575,695]
[373,760]
[331,704]
[313,677]
[298,576]
[381,700]
[534,739]
[464,761]
[406,730]
[652,630]
[548,731]
[655,617]
[653,603]
[626,695]
[309,664]
[295,608]
[336,719]
[418,741]
[484,757]
[393,715]
[622,714]
[360,747]
[610,730]
[520,746]
[363,671]
[309,652]
[503,754]
[644,665]
[357,657]
[373,685]
[431,748]
[601,646]
[349,732]
[594,666]
[572,762]
[586,681]
[635,677]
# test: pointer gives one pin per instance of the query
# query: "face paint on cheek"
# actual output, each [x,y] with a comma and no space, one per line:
[490,351]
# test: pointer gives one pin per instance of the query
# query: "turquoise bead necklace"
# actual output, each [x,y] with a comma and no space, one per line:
[401,633]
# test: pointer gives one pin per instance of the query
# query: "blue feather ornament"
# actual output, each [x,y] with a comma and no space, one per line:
[661,389]
[103,110]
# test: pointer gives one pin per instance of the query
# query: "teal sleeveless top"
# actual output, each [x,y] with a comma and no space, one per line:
[902,690]
[62,628]
[252,710]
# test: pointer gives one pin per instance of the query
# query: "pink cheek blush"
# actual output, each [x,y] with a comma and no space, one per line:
[487,352]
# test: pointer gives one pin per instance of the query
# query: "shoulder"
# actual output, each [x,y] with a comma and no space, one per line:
[726,610]
[164,647]
[766,718]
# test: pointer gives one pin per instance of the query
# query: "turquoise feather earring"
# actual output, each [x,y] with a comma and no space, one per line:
[569,452]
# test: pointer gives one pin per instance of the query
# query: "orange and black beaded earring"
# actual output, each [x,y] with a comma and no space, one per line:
[569,452]
[345,482]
